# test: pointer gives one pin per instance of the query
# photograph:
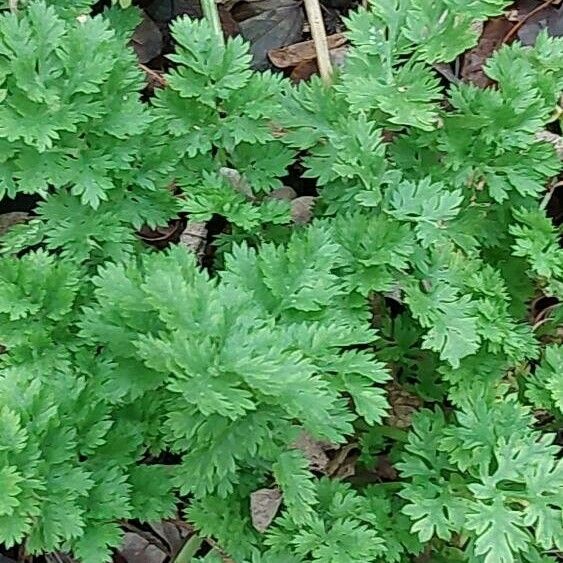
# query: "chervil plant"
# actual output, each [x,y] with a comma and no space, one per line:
[396,323]
[74,132]
[224,117]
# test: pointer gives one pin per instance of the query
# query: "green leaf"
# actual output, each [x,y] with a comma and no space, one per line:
[501,532]
[429,206]
[296,481]
[451,321]
[9,481]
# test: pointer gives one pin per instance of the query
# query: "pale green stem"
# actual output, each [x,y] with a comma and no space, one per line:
[211,14]
[318,32]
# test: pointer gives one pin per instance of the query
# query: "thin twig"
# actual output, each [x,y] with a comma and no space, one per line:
[211,14]
[158,78]
[318,32]
[544,317]
[519,25]
[549,194]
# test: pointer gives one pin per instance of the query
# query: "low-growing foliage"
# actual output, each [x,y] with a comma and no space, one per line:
[131,378]
[73,131]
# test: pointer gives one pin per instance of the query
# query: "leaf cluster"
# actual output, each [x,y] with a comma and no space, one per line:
[130,379]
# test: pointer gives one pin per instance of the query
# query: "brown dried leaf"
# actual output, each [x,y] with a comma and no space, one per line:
[194,237]
[272,29]
[8,220]
[314,450]
[385,469]
[343,464]
[264,505]
[545,17]
[304,71]
[249,8]
[171,534]
[403,405]
[302,209]
[490,40]
[554,139]
[228,23]
[163,12]
[147,40]
[308,68]
[136,549]
[292,55]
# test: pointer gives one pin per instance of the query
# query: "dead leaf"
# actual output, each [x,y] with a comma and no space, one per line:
[554,139]
[314,450]
[302,209]
[147,40]
[194,237]
[339,4]
[343,464]
[491,39]
[272,29]
[445,69]
[304,71]
[403,405]
[548,18]
[292,55]
[385,469]
[285,193]
[249,8]
[136,549]
[308,68]
[8,220]
[228,23]
[165,11]
[171,534]
[264,505]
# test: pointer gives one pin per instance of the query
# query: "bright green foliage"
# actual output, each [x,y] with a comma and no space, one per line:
[222,115]
[346,527]
[537,241]
[545,387]
[138,354]
[487,475]
[68,445]
[388,72]
[74,131]
[131,379]
[62,7]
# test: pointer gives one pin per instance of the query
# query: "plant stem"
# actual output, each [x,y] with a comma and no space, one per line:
[318,32]
[211,14]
